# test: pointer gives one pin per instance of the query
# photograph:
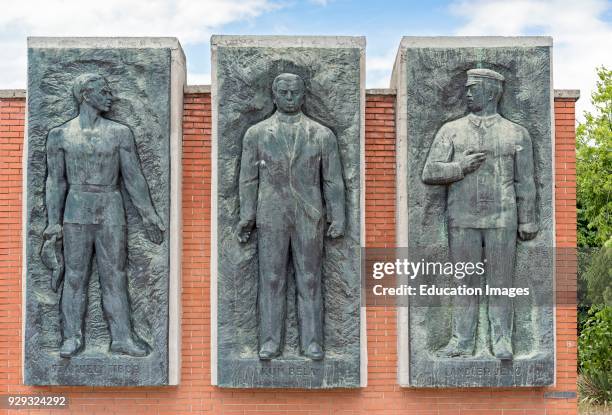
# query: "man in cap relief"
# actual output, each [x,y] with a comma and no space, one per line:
[486,161]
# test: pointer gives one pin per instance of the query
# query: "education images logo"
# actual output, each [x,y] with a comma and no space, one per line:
[468,272]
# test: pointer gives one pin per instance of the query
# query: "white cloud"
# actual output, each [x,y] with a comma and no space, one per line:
[379,67]
[192,21]
[198,79]
[581,37]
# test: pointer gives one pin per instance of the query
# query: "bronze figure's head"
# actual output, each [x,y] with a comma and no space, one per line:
[94,90]
[288,92]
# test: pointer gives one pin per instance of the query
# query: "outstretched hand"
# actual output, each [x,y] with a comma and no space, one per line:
[154,228]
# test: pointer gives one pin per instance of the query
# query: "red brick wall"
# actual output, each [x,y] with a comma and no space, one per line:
[565,223]
[195,394]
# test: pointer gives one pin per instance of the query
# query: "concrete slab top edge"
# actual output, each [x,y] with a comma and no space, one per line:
[103,42]
[474,41]
[289,41]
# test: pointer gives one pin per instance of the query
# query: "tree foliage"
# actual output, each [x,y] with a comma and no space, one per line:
[598,277]
[594,348]
[594,166]
[594,203]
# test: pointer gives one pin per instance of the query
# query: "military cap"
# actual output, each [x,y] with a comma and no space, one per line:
[476,74]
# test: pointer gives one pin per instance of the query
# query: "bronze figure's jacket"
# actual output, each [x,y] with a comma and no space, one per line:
[501,193]
[281,180]
[93,166]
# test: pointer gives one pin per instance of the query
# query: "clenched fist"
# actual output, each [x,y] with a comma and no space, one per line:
[245,227]
[335,230]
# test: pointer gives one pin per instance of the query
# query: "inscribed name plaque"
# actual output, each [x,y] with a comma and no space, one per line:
[102,229]
[474,178]
[287,211]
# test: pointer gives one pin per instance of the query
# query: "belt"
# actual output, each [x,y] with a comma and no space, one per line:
[94,188]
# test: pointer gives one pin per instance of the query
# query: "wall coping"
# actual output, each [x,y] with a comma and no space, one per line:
[12,93]
[567,94]
[573,94]
[381,91]
[197,89]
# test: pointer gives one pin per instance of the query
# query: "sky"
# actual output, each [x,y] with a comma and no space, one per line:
[581,29]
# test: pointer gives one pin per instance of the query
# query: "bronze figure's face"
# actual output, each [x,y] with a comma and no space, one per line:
[476,96]
[288,93]
[482,93]
[99,95]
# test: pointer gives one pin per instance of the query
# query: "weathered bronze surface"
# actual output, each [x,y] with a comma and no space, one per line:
[98,209]
[286,161]
[288,213]
[478,174]
[86,157]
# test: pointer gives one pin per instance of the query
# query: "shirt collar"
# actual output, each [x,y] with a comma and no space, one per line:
[488,121]
[288,118]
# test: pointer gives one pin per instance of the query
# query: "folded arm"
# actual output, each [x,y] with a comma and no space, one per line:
[439,167]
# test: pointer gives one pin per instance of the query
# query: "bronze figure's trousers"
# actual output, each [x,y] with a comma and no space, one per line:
[110,248]
[303,240]
[498,246]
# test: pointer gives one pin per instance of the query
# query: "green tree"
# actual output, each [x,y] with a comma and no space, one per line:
[594,349]
[594,203]
[594,166]
[598,278]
